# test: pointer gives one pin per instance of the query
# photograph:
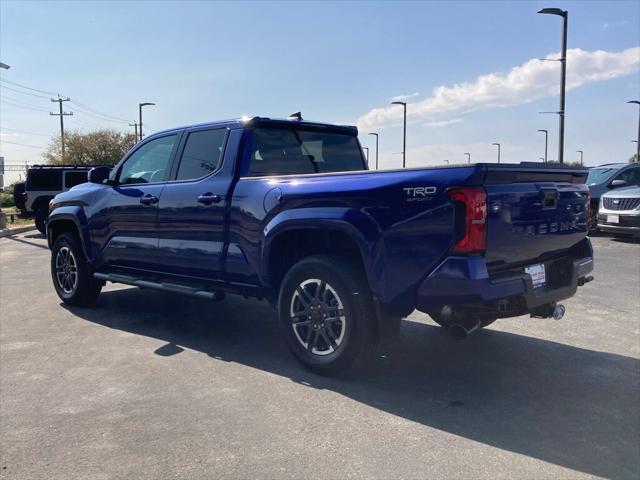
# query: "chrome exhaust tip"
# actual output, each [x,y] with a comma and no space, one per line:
[558,312]
[460,332]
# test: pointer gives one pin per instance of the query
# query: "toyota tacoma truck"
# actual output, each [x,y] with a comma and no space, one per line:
[286,210]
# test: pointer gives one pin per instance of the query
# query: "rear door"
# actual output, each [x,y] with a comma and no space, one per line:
[533,213]
[193,207]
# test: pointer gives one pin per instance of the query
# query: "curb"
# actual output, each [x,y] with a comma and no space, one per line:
[12,231]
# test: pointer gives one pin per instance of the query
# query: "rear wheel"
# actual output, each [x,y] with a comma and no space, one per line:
[40,218]
[326,313]
[70,272]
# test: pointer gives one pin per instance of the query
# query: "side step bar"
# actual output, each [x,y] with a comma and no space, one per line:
[164,286]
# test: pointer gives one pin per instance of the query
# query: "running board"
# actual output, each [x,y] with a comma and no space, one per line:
[164,286]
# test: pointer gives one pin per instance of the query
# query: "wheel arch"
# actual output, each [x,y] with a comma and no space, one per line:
[297,234]
[70,219]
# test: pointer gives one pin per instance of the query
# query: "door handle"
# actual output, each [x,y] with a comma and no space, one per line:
[209,198]
[149,200]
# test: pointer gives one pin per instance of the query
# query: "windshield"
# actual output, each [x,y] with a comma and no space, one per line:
[598,175]
[288,151]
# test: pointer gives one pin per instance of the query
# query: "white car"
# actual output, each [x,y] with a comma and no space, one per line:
[619,212]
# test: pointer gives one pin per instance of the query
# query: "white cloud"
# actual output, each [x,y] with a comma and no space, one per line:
[403,98]
[443,123]
[524,83]
[620,23]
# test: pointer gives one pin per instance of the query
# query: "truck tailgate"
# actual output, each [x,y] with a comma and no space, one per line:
[534,213]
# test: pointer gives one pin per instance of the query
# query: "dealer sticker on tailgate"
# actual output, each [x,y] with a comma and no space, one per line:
[537,274]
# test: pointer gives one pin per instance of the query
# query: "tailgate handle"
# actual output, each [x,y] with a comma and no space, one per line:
[549,198]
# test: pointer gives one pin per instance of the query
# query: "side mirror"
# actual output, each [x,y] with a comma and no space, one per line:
[98,174]
[617,183]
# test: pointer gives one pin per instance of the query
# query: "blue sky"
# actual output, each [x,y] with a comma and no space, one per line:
[335,62]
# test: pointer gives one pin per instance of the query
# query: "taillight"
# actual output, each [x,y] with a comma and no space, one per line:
[474,237]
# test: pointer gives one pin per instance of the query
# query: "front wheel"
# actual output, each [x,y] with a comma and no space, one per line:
[70,272]
[326,313]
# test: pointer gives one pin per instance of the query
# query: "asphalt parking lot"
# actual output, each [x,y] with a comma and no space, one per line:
[151,385]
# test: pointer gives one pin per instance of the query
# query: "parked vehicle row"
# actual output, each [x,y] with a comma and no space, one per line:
[286,210]
[607,177]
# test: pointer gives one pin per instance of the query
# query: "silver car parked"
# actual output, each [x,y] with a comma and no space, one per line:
[619,212]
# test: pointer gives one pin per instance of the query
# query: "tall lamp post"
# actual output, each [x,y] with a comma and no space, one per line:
[468,157]
[404,133]
[546,141]
[563,74]
[140,105]
[4,66]
[376,135]
[498,150]
[581,157]
[446,161]
[638,141]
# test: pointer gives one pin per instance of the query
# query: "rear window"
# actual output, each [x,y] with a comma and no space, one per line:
[287,151]
[44,179]
[71,179]
[202,153]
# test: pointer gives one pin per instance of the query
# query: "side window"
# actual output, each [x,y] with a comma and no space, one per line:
[631,176]
[44,179]
[71,179]
[149,163]
[202,153]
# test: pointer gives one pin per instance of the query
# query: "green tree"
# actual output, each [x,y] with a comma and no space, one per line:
[101,147]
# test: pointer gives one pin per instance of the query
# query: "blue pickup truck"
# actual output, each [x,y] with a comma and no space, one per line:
[286,210]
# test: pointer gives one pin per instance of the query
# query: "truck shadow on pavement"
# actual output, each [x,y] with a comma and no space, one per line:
[569,406]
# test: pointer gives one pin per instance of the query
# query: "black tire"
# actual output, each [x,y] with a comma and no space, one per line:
[40,218]
[485,322]
[328,338]
[80,289]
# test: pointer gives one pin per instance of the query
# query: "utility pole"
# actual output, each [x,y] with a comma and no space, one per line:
[135,126]
[468,157]
[62,114]
[563,74]
[581,157]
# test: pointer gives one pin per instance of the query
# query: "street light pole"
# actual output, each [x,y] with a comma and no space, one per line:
[4,66]
[404,133]
[546,139]
[376,135]
[446,161]
[498,150]
[468,157]
[581,157]
[563,74]
[140,105]
[638,141]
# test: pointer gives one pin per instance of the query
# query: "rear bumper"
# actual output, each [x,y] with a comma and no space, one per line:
[464,283]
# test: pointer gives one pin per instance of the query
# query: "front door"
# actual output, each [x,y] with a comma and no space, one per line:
[127,217]
[193,206]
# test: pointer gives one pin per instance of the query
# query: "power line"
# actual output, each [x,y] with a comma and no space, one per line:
[24,131]
[20,102]
[86,107]
[89,114]
[22,106]
[4,80]
[24,93]
[22,144]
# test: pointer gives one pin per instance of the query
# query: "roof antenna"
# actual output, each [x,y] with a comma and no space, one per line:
[295,116]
